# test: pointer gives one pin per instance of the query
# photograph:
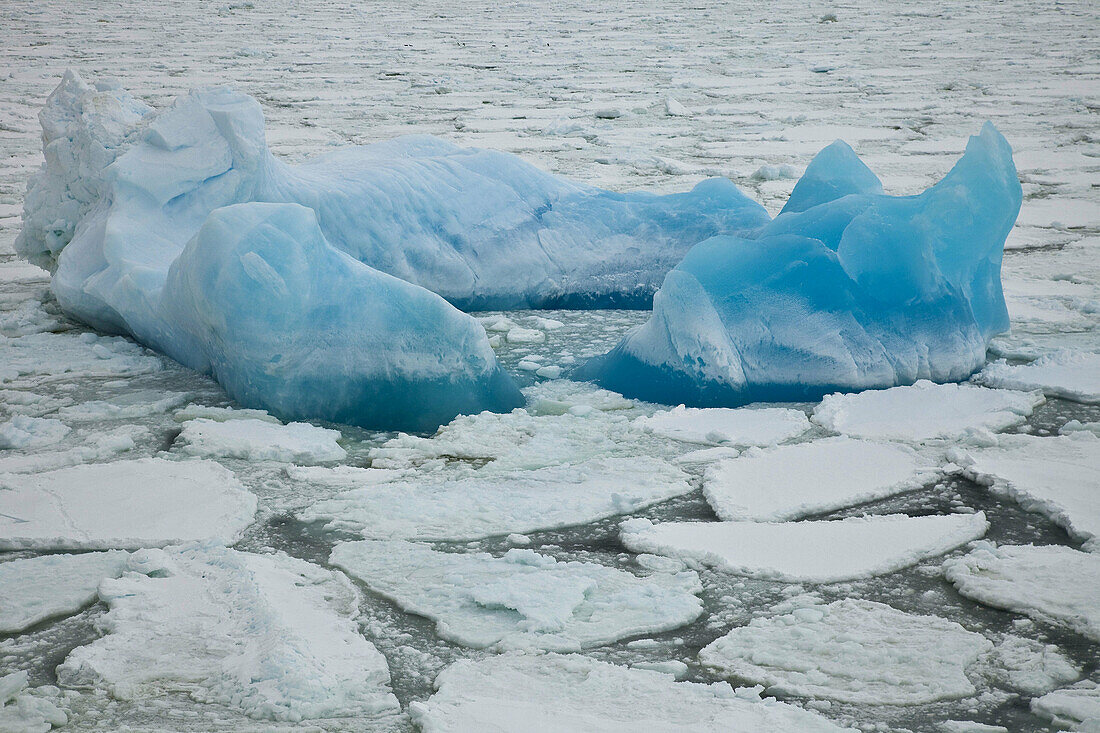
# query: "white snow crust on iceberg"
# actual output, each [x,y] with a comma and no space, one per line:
[260,440]
[723,426]
[522,599]
[810,552]
[925,411]
[854,292]
[1074,708]
[853,651]
[123,505]
[272,635]
[485,503]
[548,693]
[791,482]
[38,588]
[1049,583]
[1058,477]
[1071,375]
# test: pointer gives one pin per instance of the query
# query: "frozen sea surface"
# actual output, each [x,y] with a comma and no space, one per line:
[623,96]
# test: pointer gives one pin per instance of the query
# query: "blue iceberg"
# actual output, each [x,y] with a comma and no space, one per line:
[846,289]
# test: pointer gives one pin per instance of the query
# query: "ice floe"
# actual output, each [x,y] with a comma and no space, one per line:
[31,360]
[260,440]
[23,432]
[1072,708]
[1072,375]
[1031,666]
[522,599]
[38,588]
[791,482]
[814,552]
[1049,583]
[719,426]
[125,505]
[269,634]
[552,692]
[478,504]
[852,651]
[925,411]
[21,711]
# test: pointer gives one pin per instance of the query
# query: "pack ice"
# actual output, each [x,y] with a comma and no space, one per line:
[315,290]
[847,289]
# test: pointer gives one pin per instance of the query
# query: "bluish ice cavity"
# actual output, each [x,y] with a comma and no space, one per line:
[846,289]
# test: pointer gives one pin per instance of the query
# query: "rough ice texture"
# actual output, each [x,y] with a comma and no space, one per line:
[1072,375]
[1072,708]
[523,599]
[22,432]
[23,712]
[270,634]
[813,552]
[550,693]
[855,292]
[1058,477]
[484,504]
[30,360]
[925,411]
[126,505]
[714,426]
[260,440]
[852,651]
[791,482]
[1031,666]
[1050,583]
[38,588]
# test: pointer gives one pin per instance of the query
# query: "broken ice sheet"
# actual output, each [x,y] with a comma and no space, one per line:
[854,651]
[260,440]
[523,599]
[1072,375]
[721,426]
[38,588]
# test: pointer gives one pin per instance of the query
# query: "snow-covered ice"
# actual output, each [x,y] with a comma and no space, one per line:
[714,426]
[813,552]
[1049,583]
[24,712]
[1072,708]
[1073,375]
[124,505]
[854,651]
[31,432]
[1031,666]
[1058,477]
[522,599]
[552,692]
[38,588]
[270,634]
[477,504]
[791,482]
[925,411]
[260,440]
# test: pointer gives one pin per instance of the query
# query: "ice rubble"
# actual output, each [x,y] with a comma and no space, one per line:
[791,482]
[1058,477]
[853,651]
[925,411]
[24,712]
[1072,708]
[1050,583]
[260,440]
[714,426]
[1031,666]
[549,693]
[272,635]
[858,291]
[522,599]
[124,505]
[38,588]
[1072,375]
[484,503]
[813,552]
[31,432]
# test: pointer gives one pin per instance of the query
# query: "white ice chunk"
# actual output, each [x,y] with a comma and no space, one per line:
[1049,583]
[193,411]
[811,552]
[794,481]
[125,504]
[721,425]
[551,693]
[1031,666]
[924,411]
[29,360]
[23,432]
[1072,708]
[38,588]
[1072,375]
[260,440]
[270,634]
[23,712]
[853,651]
[523,599]
[481,504]
[127,406]
[1058,477]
